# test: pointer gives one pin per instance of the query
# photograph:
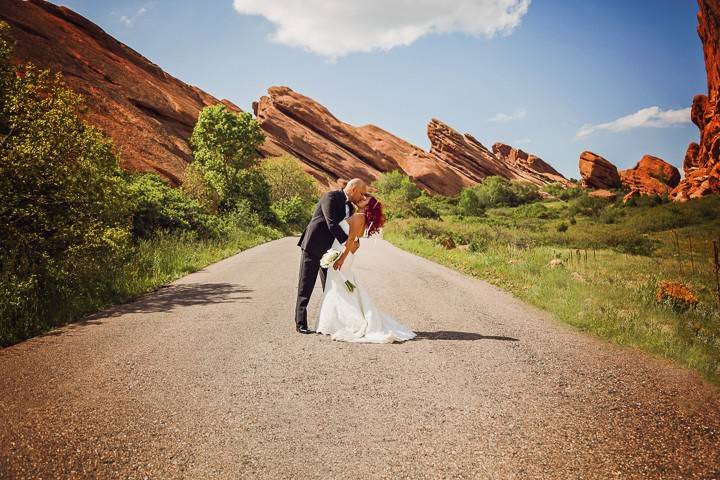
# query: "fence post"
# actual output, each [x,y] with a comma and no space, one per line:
[692,262]
[677,244]
[716,259]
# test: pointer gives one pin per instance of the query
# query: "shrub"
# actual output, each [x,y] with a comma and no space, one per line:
[470,204]
[677,296]
[65,224]
[562,227]
[293,193]
[398,193]
[425,207]
[588,206]
[496,192]
[534,210]
[157,206]
[195,186]
[559,191]
[292,212]
[287,180]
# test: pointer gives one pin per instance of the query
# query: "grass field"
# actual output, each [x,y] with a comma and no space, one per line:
[595,266]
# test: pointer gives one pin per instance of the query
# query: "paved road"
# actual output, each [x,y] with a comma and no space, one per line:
[207,379]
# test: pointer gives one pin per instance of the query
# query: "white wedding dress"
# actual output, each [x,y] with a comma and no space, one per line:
[353,317]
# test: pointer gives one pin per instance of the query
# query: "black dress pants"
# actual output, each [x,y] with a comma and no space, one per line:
[309,267]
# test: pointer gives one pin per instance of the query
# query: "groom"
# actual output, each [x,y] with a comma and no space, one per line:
[333,208]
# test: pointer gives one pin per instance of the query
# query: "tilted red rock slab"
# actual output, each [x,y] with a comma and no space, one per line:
[148,113]
[597,172]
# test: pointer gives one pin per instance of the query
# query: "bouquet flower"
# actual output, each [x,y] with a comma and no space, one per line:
[329,259]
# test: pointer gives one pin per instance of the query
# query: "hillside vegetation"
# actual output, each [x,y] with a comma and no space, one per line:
[639,274]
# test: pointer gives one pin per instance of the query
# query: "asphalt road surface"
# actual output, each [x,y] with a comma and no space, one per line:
[207,378]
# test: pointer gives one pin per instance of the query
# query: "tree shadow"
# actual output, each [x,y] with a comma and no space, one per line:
[171,297]
[452,335]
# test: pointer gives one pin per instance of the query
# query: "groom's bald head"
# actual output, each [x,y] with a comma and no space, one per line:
[355,189]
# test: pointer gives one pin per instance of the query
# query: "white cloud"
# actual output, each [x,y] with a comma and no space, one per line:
[651,117]
[130,20]
[334,28]
[509,117]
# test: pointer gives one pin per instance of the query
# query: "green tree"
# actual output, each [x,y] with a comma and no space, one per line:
[224,145]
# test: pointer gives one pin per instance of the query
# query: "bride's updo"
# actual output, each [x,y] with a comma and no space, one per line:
[374,218]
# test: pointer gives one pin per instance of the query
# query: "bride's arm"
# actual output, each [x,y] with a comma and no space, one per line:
[357,227]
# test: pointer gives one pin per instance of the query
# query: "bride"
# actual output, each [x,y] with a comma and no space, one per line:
[351,316]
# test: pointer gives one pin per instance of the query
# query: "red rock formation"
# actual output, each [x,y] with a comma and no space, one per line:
[417,163]
[701,161]
[336,151]
[528,166]
[464,153]
[651,176]
[597,172]
[148,113]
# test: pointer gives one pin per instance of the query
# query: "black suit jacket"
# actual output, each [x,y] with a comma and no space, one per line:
[318,236]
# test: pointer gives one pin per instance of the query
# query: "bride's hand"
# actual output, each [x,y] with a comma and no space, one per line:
[339,263]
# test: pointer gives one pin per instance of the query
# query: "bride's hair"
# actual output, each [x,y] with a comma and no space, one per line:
[374,217]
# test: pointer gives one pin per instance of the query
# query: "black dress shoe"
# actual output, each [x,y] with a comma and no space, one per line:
[304,329]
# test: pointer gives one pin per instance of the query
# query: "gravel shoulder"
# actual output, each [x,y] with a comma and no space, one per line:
[207,378]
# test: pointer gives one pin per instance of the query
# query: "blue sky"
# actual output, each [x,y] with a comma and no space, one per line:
[553,77]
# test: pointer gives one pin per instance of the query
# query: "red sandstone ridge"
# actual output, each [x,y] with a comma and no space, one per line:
[597,172]
[528,166]
[702,161]
[651,176]
[332,150]
[148,113]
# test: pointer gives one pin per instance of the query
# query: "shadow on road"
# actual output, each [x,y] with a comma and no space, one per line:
[171,297]
[165,299]
[450,335]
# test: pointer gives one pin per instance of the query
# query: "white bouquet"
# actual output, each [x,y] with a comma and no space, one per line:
[329,259]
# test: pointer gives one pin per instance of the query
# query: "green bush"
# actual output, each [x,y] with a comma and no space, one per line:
[293,193]
[398,194]
[588,206]
[157,206]
[535,210]
[558,191]
[64,221]
[470,203]
[425,207]
[292,212]
[494,192]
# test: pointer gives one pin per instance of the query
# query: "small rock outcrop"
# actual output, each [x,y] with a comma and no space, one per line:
[528,166]
[596,172]
[651,176]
